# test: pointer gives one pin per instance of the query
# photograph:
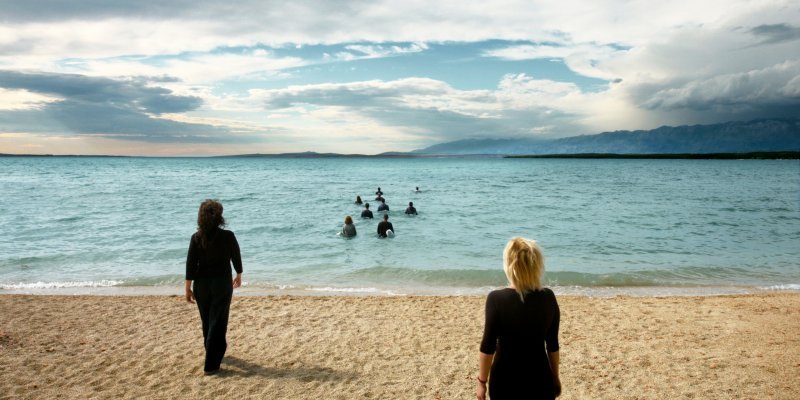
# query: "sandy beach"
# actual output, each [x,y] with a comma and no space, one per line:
[296,347]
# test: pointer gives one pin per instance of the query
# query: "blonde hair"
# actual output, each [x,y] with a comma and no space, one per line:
[523,263]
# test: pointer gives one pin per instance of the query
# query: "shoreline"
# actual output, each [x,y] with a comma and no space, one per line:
[417,347]
[254,291]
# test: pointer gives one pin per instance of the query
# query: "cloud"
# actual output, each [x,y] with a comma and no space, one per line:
[197,68]
[580,58]
[377,51]
[703,75]
[90,105]
[214,71]
[82,28]
[772,92]
[432,109]
[133,94]
[22,100]
[415,106]
[775,33]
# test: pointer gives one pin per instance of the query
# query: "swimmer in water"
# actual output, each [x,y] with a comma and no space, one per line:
[417,190]
[411,210]
[385,226]
[358,200]
[366,213]
[383,206]
[348,229]
[378,193]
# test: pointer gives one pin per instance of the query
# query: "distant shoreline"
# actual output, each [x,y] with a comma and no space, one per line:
[759,155]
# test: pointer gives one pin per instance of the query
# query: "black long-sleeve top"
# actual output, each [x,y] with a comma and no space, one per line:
[214,260]
[520,334]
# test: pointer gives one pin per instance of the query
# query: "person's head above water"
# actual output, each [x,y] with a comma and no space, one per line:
[358,198]
[366,205]
[383,201]
[348,220]
[411,204]
[385,217]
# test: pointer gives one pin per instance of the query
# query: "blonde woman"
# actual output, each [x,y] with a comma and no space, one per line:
[519,351]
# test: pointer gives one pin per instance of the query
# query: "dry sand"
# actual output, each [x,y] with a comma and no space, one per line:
[724,347]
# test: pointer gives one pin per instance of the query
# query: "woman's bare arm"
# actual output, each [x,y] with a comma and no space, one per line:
[484,366]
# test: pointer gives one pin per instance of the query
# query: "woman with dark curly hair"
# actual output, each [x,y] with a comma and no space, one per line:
[209,281]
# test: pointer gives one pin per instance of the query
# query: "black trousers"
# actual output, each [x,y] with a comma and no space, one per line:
[213,297]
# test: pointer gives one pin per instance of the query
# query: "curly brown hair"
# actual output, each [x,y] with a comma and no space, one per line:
[209,216]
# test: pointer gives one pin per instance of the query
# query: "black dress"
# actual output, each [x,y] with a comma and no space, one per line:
[517,333]
[209,267]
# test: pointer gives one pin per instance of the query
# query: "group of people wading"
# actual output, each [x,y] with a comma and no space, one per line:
[385,228]
[519,351]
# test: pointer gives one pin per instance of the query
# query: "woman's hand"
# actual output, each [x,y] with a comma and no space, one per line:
[480,391]
[237,281]
[189,293]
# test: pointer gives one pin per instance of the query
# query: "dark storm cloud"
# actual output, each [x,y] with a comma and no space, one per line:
[132,94]
[776,33]
[772,92]
[103,106]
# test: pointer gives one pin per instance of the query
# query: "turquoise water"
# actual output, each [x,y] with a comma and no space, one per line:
[126,222]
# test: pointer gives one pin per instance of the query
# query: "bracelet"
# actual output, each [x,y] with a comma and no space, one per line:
[479,380]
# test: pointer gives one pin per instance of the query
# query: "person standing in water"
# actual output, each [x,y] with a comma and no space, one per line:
[209,281]
[366,213]
[383,206]
[385,226]
[348,230]
[358,200]
[411,210]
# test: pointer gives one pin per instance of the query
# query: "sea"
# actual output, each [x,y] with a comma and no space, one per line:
[119,225]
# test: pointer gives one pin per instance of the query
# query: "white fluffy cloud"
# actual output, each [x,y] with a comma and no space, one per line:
[580,58]
[15,100]
[428,110]
[76,29]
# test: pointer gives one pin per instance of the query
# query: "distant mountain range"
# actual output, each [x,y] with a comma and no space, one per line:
[762,138]
[764,135]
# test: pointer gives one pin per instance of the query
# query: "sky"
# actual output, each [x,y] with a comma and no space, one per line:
[207,77]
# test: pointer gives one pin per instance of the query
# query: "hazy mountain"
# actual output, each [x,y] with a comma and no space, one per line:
[729,137]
